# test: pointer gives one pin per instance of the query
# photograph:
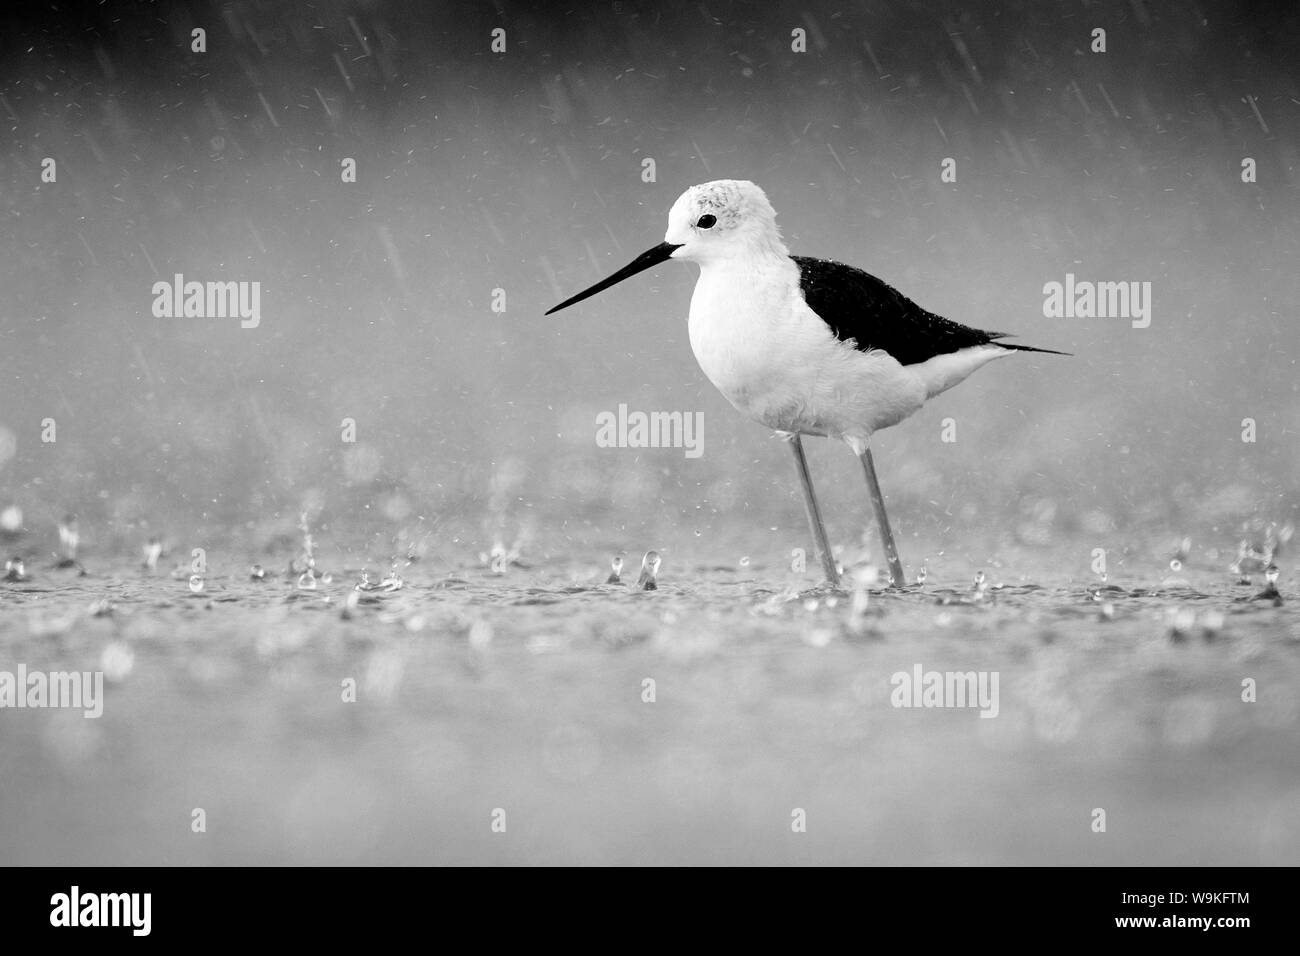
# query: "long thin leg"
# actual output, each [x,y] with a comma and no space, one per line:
[815,515]
[887,536]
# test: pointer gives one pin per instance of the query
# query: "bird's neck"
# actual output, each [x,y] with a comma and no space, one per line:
[761,255]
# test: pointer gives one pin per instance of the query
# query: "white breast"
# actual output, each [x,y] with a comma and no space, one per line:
[780,364]
[740,325]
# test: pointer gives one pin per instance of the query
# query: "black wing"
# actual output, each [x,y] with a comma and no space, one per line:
[858,306]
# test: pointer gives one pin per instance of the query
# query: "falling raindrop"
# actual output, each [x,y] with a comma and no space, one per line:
[152,552]
[616,571]
[921,576]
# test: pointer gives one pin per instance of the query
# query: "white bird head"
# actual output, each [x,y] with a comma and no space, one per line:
[721,220]
[724,219]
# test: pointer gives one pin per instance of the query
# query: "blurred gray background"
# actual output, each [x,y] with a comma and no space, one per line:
[522,171]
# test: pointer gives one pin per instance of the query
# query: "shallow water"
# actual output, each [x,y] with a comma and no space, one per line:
[523,691]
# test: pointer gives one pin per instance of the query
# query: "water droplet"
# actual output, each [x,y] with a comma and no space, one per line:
[1271,574]
[15,570]
[480,636]
[11,519]
[744,562]
[1181,621]
[327,578]
[257,573]
[350,604]
[819,637]
[861,601]
[1108,611]
[152,552]
[69,538]
[648,581]
[307,581]
[117,661]
[196,583]
[616,571]
[1175,565]
[981,582]
[921,575]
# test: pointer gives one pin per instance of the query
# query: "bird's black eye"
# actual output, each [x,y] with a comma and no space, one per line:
[707,221]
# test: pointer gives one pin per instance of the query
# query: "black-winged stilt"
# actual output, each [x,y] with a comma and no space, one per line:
[807,346]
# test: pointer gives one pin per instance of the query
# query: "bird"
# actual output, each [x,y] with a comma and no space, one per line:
[807,346]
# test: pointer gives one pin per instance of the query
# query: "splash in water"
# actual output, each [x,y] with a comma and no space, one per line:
[69,541]
[649,579]
[14,570]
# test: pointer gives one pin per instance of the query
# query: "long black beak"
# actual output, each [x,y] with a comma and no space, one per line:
[651,257]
